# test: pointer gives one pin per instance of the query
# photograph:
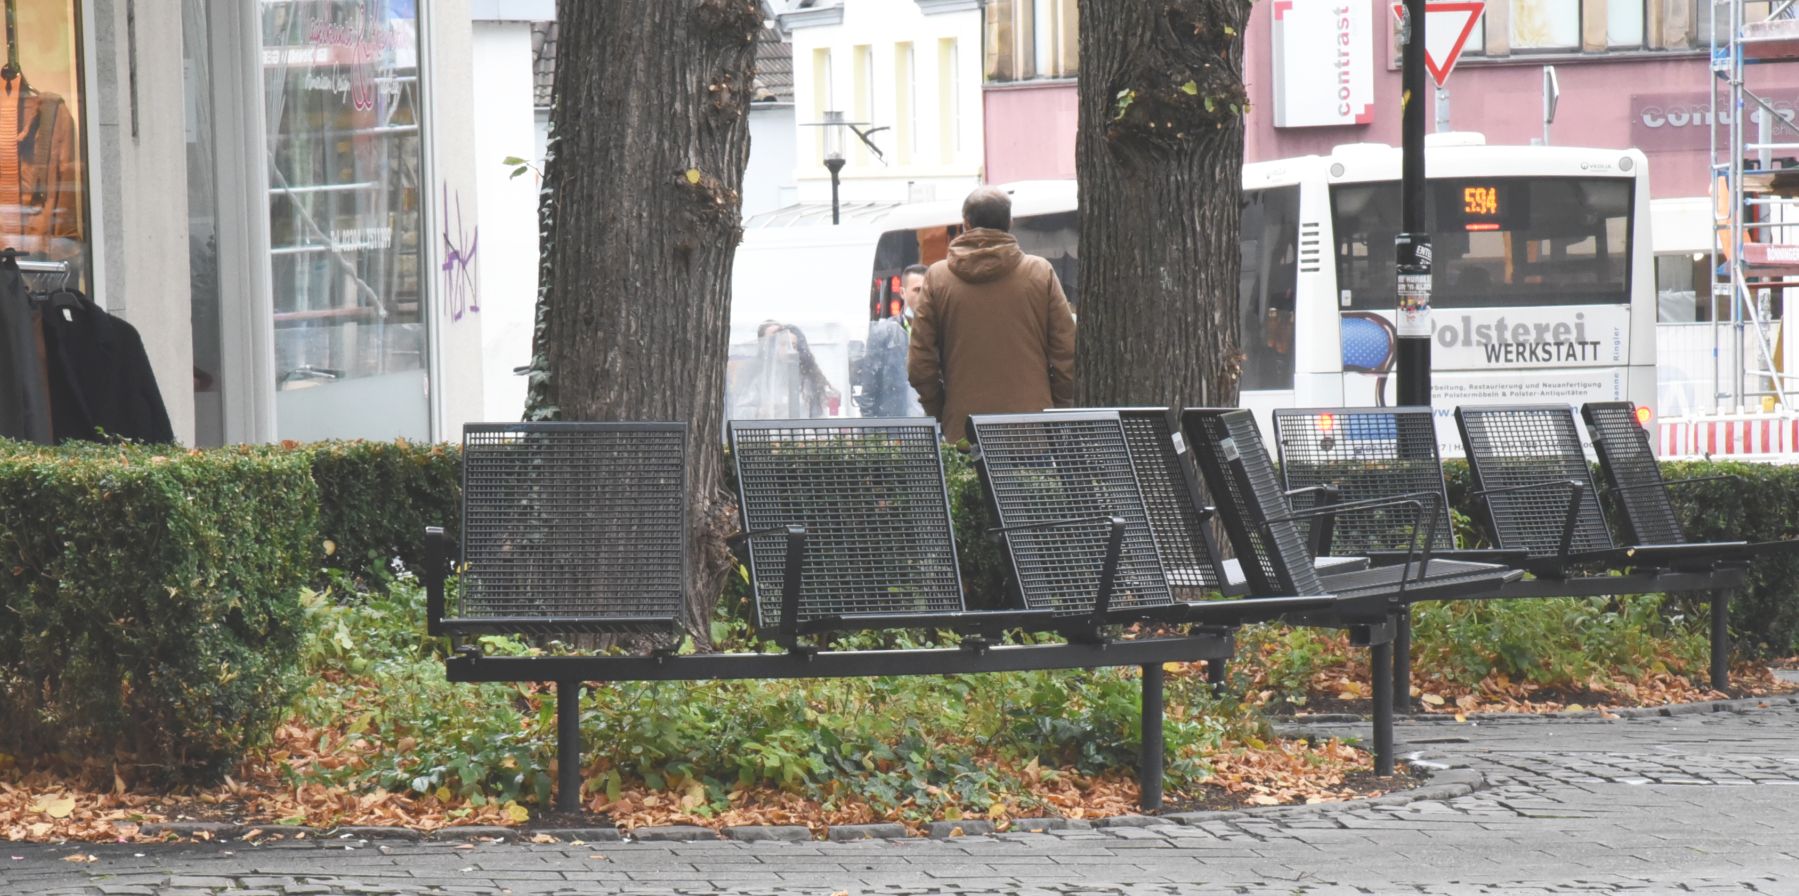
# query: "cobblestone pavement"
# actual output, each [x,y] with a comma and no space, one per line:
[1687,802]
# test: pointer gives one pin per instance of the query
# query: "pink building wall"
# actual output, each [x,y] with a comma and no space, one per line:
[1030,131]
[1654,101]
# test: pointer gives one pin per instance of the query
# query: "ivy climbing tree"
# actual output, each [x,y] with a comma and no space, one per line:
[640,216]
[1159,155]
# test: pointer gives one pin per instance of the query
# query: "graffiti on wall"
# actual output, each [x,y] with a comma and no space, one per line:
[461,293]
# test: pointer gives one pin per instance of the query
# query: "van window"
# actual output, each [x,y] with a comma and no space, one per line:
[1054,237]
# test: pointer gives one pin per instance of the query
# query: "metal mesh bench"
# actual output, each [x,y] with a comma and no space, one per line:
[1536,488]
[1179,514]
[581,527]
[862,505]
[571,527]
[1537,493]
[1635,479]
[1264,529]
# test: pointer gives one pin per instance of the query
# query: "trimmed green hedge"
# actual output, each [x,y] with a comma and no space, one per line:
[376,498]
[149,600]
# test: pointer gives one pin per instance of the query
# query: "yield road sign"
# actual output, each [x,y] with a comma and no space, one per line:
[1448,24]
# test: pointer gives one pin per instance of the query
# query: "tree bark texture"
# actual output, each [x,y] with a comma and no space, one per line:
[1159,156]
[641,216]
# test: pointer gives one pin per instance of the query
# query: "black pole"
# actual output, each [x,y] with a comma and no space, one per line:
[1402,659]
[1380,656]
[1721,641]
[568,746]
[1215,675]
[836,165]
[1149,765]
[1413,244]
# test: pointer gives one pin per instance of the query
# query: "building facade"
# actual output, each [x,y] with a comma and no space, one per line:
[907,74]
[279,196]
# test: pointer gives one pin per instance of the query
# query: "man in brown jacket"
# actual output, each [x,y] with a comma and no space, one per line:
[994,334]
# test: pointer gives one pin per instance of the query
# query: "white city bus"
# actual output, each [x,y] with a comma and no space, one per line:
[1543,280]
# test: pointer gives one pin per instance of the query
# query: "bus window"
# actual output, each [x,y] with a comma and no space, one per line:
[1496,241]
[1267,284]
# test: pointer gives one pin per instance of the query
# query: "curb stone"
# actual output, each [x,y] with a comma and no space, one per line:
[585,835]
[372,832]
[474,832]
[673,833]
[944,830]
[844,833]
[216,830]
[1130,821]
[266,832]
[1041,825]
[760,833]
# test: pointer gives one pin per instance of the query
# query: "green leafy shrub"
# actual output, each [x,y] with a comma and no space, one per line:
[376,498]
[149,600]
[1562,642]
[912,747]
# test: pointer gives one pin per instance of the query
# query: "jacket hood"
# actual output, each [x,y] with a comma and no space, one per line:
[981,255]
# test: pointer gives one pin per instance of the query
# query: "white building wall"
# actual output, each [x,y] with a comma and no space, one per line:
[944,86]
[454,216]
[768,178]
[509,250]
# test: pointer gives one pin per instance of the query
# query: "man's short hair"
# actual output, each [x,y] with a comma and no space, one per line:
[988,207]
[911,269]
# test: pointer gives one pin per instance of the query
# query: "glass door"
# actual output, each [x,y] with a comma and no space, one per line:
[346,182]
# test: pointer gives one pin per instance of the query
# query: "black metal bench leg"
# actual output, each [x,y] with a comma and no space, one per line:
[1215,675]
[568,746]
[1381,657]
[1402,658]
[1720,640]
[1149,769]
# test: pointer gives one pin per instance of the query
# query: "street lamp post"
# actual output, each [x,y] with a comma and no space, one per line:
[834,125]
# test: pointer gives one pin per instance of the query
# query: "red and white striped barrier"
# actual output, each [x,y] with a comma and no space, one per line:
[1727,436]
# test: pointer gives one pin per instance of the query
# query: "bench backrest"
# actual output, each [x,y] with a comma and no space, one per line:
[1526,445]
[581,523]
[1630,469]
[1366,453]
[1240,476]
[871,496]
[1173,499]
[1054,467]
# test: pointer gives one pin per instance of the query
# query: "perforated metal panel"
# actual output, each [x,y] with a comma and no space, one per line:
[1367,454]
[581,523]
[1045,468]
[871,495]
[1631,470]
[1242,480]
[1172,499]
[1517,446]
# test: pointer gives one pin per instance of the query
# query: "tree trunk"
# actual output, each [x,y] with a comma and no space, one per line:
[1160,160]
[641,215]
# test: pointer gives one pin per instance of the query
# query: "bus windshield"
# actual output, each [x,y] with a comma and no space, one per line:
[1496,242]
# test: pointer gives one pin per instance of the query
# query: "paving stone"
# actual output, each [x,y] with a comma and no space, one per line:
[844,833]
[755,833]
[205,830]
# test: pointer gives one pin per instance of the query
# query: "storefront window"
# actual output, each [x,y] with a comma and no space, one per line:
[43,171]
[346,185]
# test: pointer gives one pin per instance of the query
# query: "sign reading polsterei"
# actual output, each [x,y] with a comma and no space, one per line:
[1323,63]
[1683,120]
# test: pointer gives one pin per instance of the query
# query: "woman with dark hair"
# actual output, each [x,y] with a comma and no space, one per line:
[784,379]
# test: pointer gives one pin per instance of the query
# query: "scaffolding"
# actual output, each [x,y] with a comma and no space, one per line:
[1755,195]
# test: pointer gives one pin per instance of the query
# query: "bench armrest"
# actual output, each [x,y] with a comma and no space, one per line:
[1108,573]
[1322,530]
[1424,517]
[437,557]
[788,632]
[1576,489]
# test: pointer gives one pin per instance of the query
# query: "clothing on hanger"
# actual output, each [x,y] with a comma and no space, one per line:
[25,395]
[101,383]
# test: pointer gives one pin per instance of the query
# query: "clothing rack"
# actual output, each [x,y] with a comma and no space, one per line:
[36,266]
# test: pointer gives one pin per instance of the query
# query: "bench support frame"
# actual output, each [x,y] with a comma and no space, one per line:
[571,672]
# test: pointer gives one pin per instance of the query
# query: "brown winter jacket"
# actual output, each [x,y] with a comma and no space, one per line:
[993,334]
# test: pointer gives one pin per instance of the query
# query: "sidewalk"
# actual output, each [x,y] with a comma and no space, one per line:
[1698,800]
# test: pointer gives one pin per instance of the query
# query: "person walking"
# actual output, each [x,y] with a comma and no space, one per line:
[992,333]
